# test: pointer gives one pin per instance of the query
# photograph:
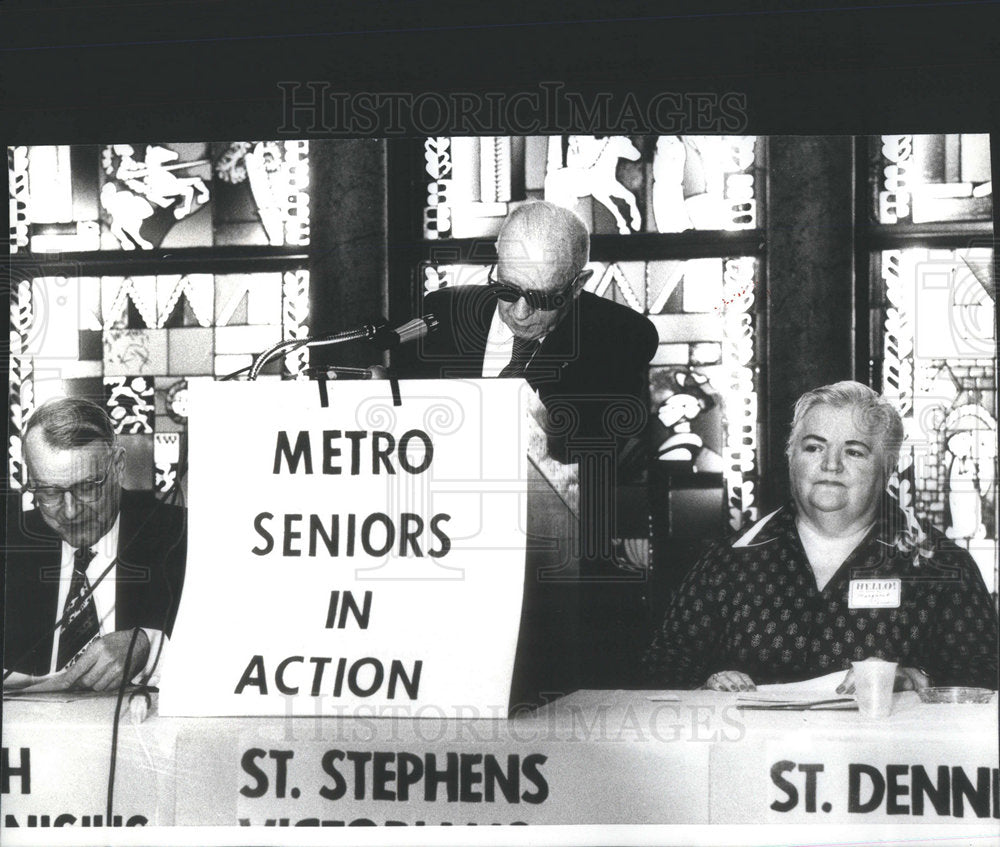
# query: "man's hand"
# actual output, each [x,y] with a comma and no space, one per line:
[729,681]
[102,665]
[907,679]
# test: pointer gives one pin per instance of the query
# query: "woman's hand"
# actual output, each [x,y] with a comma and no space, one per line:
[907,679]
[729,681]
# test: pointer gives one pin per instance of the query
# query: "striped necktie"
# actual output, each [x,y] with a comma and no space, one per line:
[80,624]
[524,352]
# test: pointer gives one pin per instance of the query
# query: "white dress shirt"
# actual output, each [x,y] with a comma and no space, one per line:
[105,554]
[499,347]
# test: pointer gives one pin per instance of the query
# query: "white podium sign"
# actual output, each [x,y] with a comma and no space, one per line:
[358,554]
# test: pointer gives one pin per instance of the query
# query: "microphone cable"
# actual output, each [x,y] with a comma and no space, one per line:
[114,728]
[143,689]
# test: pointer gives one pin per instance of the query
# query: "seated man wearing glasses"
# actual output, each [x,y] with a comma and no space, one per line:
[93,571]
[586,358]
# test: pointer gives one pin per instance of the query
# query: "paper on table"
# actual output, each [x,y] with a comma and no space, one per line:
[23,683]
[817,687]
[65,696]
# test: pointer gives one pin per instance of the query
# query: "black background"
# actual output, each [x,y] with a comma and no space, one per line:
[97,71]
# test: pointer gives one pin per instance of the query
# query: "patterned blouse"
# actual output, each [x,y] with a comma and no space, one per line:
[752,605]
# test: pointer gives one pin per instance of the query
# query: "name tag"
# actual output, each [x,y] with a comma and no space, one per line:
[874,593]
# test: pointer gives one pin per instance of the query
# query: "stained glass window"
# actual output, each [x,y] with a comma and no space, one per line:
[933,321]
[940,369]
[704,377]
[619,185]
[134,342]
[78,198]
[922,179]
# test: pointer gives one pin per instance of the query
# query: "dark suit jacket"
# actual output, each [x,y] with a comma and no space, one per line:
[590,372]
[152,548]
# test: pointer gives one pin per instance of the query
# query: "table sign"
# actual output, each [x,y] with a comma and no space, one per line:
[351,553]
[594,757]
[921,765]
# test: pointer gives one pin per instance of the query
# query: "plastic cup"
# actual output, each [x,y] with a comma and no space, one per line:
[874,680]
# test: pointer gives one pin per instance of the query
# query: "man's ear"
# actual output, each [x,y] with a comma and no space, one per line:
[582,278]
[118,460]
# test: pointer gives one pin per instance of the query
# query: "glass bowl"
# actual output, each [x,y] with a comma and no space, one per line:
[955,694]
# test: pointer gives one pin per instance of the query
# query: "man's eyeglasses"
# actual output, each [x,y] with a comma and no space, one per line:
[87,491]
[537,300]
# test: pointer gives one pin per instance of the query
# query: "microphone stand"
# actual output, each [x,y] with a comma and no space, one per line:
[343,372]
[379,333]
[366,333]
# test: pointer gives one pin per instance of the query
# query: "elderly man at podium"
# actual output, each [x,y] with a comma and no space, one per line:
[585,357]
[94,572]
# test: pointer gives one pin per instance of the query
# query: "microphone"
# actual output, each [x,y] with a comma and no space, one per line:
[385,338]
[381,336]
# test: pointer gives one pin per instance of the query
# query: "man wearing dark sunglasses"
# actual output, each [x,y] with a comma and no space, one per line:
[586,358]
[91,564]
[580,352]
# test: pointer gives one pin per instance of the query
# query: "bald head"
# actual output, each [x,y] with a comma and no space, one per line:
[541,247]
[543,232]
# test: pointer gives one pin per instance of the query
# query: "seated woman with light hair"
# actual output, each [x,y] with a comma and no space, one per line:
[791,597]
